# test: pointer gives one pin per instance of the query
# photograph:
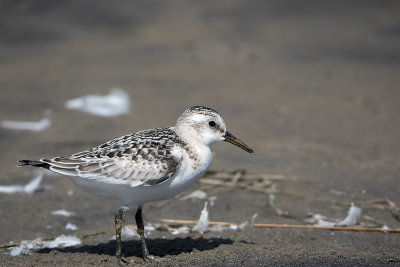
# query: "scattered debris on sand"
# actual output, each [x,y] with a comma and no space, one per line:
[34,126]
[71,227]
[61,241]
[63,213]
[202,224]
[353,215]
[30,188]
[116,103]
[195,195]
[263,183]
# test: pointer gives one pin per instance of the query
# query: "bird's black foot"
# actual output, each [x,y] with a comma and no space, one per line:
[140,230]
[148,258]
[122,261]
[146,255]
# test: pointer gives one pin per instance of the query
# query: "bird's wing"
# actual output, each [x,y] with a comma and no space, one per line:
[144,158]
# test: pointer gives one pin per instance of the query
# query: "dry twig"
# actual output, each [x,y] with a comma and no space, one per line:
[393,208]
[290,226]
[240,179]
[332,228]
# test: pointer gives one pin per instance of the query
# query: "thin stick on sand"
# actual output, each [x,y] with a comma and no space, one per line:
[291,226]
[332,228]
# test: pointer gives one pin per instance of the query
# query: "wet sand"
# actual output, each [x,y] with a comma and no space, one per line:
[312,87]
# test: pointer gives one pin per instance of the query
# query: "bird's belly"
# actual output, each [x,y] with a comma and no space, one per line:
[144,193]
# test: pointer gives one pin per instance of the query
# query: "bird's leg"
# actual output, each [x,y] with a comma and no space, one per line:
[140,231]
[118,227]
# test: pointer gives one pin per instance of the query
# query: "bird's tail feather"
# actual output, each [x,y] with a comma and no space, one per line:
[34,163]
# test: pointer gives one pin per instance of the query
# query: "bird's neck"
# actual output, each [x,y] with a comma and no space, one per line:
[194,145]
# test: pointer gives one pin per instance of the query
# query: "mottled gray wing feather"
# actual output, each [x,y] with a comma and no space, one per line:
[143,158]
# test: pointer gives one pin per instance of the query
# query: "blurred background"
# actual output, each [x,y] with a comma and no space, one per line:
[312,86]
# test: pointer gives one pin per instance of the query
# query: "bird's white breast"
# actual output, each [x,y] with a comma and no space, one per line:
[193,165]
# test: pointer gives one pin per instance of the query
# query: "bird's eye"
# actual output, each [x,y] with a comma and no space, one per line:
[212,124]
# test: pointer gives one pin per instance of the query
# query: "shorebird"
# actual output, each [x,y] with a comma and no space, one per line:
[148,165]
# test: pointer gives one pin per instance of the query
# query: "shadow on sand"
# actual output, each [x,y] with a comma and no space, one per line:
[157,247]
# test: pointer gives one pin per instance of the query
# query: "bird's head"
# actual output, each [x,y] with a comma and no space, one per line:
[206,126]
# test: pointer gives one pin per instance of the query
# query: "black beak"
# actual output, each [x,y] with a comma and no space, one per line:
[233,140]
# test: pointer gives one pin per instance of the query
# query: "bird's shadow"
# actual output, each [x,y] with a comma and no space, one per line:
[157,247]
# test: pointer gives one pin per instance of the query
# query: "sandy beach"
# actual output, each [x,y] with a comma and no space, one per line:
[311,86]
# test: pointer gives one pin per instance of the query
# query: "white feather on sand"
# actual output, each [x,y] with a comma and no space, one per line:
[202,224]
[63,213]
[61,241]
[114,104]
[29,188]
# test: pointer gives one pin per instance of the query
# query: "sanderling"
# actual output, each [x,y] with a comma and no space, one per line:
[146,166]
